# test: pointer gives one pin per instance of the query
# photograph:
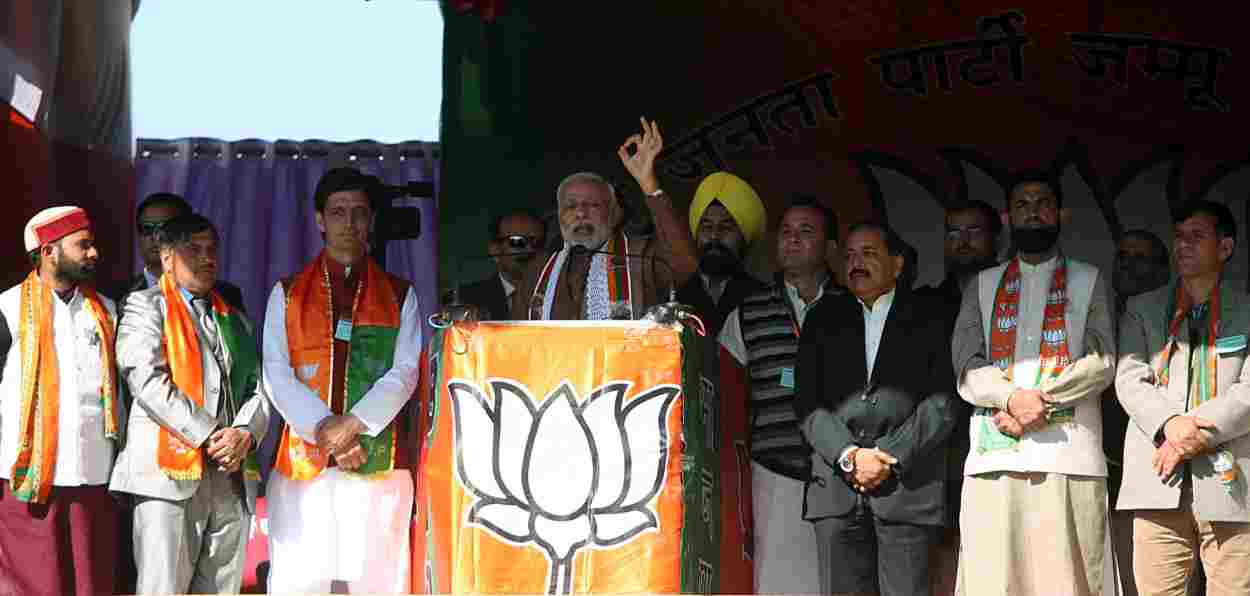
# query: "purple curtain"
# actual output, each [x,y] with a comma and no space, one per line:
[259,195]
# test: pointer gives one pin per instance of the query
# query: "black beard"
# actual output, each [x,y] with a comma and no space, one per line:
[74,272]
[1035,240]
[717,261]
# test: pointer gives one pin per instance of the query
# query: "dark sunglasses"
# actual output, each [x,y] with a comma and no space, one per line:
[517,241]
[148,228]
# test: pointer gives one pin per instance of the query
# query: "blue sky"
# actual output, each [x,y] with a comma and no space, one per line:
[339,70]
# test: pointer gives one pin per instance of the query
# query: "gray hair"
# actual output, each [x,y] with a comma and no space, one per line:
[585,177]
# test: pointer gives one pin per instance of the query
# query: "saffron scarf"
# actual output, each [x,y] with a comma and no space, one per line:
[310,330]
[35,466]
[1202,382]
[1053,355]
[177,459]
[619,286]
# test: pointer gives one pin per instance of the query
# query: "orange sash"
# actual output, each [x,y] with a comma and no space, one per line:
[177,459]
[310,342]
[35,466]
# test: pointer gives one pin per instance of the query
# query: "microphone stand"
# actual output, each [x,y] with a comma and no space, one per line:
[456,311]
[671,312]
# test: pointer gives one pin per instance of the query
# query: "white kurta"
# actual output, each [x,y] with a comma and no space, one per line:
[84,456]
[339,526]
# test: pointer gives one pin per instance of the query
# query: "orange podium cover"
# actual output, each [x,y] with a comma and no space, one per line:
[552,459]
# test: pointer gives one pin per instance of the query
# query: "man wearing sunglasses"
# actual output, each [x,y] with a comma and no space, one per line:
[515,238]
[153,212]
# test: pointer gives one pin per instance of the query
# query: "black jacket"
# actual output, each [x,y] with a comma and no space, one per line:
[489,296]
[692,293]
[949,296]
[905,408]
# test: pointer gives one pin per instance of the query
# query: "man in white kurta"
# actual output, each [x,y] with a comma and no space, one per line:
[57,519]
[340,494]
[1033,517]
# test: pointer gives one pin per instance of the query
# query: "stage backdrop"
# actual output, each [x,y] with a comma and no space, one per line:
[893,109]
[65,122]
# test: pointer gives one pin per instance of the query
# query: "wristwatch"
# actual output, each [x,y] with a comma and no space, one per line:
[847,461]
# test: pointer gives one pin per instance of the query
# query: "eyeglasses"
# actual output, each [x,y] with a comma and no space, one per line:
[148,228]
[956,233]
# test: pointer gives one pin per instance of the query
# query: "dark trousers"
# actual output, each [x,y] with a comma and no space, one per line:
[62,547]
[862,554]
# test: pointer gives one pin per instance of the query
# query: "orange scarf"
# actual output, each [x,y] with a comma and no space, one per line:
[177,459]
[35,465]
[310,342]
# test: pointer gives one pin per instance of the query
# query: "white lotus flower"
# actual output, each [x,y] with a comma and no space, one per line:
[559,474]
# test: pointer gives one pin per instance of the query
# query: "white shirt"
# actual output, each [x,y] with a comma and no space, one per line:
[731,334]
[303,409]
[84,456]
[874,324]
[151,278]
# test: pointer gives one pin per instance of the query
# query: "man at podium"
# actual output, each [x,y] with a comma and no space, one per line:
[601,272]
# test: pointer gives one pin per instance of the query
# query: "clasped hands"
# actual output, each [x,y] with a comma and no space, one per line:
[339,436]
[1183,440]
[872,467]
[1027,410]
[228,447]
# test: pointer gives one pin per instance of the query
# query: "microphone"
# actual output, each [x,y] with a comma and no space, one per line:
[670,312]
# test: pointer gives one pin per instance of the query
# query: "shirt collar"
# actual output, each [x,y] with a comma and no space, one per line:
[152,279]
[793,293]
[508,287]
[1027,268]
[882,302]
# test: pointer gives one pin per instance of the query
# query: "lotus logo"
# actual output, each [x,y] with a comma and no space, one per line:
[1053,337]
[559,474]
[1006,323]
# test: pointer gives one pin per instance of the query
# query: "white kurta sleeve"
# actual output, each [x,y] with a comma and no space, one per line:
[299,405]
[388,395]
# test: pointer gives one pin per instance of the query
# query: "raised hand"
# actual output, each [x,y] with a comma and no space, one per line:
[641,164]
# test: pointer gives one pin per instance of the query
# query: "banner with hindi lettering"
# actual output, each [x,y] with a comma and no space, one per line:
[557,458]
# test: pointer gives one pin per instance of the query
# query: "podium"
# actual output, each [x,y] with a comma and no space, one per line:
[566,457]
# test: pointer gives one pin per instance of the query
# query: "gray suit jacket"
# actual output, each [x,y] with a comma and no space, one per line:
[1143,333]
[158,403]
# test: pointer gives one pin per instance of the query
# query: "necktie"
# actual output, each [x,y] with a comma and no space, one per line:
[205,315]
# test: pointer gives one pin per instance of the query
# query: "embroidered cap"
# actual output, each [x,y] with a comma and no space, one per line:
[54,223]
